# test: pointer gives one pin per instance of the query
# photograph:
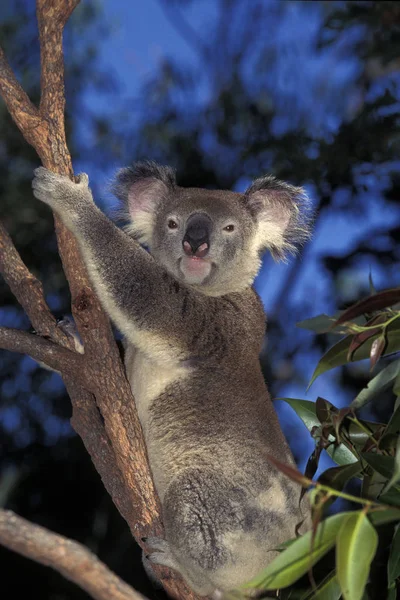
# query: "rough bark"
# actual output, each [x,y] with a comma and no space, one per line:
[104,413]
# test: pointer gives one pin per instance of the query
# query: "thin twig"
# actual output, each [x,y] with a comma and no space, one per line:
[106,389]
[29,292]
[54,356]
[72,560]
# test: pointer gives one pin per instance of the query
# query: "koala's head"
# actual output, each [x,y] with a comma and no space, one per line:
[212,240]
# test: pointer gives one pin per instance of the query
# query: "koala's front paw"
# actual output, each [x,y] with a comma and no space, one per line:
[59,192]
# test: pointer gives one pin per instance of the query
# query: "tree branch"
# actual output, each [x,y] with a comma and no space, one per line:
[24,113]
[124,467]
[29,292]
[52,17]
[72,560]
[88,424]
[52,355]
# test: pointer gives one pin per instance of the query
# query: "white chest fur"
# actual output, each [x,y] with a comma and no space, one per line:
[149,377]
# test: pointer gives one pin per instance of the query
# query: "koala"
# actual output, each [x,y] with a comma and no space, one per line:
[194,327]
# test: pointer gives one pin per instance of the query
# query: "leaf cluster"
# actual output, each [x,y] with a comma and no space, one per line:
[366,535]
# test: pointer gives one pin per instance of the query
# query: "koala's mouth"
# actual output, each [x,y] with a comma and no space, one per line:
[195,269]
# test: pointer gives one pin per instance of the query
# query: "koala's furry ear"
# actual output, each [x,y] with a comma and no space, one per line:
[140,188]
[283,214]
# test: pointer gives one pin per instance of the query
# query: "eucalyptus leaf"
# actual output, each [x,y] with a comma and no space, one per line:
[392,593]
[305,409]
[393,427]
[370,305]
[320,324]
[372,288]
[360,434]
[356,545]
[394,557]
[327,589]
[396,471]
[382,464]
[337,355]
[296,560]
[377,385]
[337,477]
[384,516]
[396,387]
[373,484]
[392,497]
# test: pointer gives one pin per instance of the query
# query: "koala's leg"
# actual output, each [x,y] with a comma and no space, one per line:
[200,511]
[139,295]
[163,556]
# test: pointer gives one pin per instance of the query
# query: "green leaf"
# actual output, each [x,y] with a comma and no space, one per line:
[393,427]
[359,433]
[384,516]
[337,477]
[320,324]
[377,385]
[337,355]
[396,387]
[372,288]
[356,545]
[306,410]
[396,471]
[296,560]
[392,593]
[370,305]
[394,557]
[392,497]
[327,589]
[383,464]
[334,357]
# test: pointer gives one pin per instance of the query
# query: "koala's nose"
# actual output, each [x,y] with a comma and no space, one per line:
[196,241]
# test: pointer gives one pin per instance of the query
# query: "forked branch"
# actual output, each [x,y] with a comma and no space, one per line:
[104,413]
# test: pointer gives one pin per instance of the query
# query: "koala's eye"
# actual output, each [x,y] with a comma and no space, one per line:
[229,228]
[172,224]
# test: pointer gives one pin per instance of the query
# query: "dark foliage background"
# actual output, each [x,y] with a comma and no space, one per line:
[306,91]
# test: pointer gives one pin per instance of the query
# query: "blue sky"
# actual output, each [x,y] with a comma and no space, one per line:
[316,89]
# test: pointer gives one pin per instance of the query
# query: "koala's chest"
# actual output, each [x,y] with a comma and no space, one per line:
[149,378]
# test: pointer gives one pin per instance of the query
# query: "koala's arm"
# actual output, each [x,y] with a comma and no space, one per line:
[140,296]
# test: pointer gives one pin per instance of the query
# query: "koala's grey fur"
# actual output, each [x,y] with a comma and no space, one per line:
[194,327]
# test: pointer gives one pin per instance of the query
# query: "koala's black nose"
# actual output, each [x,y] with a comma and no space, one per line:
[196,241]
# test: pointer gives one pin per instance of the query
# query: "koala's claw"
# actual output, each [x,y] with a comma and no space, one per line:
[59,192]
[156,543]
[67,325]
[163,555]
[48,186]
[82,179]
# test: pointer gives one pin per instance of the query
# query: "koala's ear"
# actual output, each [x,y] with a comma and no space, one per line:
[141,188]
[283,214]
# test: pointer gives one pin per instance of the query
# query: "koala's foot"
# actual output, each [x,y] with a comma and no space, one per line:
[163,555]
[67,325]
